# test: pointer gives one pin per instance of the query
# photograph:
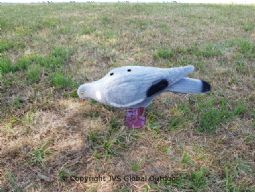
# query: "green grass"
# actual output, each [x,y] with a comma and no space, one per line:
[135,167]
[233,171]
[164,54]
[205,50]
[240,66]
[210,51]
[213,113]
[198,179]
[64,174]
[5,45]
[195,181]
[6,65]
[175,122]
[86,30]
[58,57]
[106,20]
[25,62]
[108,144]
[50,22]
[204,141]
[245,47]
[34,73]
[59,80]
[248,27]
[153,123]
[186,159]
[17,102]
[39,154]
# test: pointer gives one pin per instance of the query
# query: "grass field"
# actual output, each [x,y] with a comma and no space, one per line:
[205,142]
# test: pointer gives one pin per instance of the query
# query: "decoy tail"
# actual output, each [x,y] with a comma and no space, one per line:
[190,85]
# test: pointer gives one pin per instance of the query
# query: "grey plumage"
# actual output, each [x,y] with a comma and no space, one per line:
[136,86]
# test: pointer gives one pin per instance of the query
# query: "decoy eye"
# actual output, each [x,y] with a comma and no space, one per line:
[129,70]
[111,73]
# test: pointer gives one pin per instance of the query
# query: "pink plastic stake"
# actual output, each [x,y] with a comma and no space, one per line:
[134,118]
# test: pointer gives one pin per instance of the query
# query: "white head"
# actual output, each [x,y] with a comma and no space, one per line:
[83,91]
[90,90]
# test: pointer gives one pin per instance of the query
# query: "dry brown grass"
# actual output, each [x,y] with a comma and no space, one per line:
[48,135]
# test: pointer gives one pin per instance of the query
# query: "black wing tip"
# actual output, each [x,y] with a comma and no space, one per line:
[206,87]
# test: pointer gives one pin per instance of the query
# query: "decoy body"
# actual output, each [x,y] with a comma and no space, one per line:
[135,86]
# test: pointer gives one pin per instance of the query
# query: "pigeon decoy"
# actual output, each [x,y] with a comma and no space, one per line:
[134,87]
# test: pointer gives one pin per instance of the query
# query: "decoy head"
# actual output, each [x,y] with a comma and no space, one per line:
[83,91]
